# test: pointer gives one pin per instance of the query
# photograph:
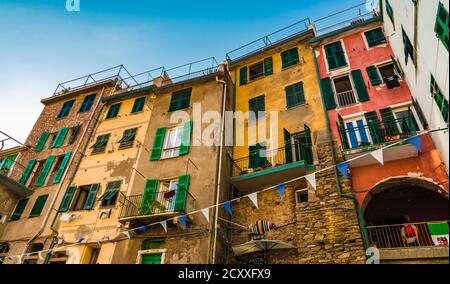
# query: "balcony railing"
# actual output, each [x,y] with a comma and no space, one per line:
[375,133]
[265,159]
[346,98]
[409,235]
[161,202]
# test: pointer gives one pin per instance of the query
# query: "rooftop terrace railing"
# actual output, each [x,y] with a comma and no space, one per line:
[190,70]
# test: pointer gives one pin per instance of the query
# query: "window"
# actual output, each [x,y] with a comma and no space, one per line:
[335,55]
[257,105]
[356,133]
[41,179]
[127,139]
[7,163]
[301,196]
[164,199]
[384,73]
[113,111]
[56,167]
[256,71]
[84,197]
[390,12]
[407,47]
[375,37]
[59,170]
[59,138]
[302,144]
[100,144]
[441,27]
[258,156]
[74,134]
[180,100]
[406,121]
[290,57]
[87,103]
[295,95]
[65,110]
[94,256]
[344,91]
[112,191]
[138,105]
[440,99]
[38,206]
[20,207]
[172,143]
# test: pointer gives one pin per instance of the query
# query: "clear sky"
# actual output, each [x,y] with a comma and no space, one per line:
[41,44]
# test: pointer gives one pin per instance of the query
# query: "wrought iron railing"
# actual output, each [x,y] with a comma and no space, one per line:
[159,202]
[409,235]
[374,133]
[346,98]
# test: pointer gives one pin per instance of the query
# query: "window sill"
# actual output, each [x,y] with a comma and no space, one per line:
[296,106]
[170,111]
[137,112]
[338,68]
[290,66]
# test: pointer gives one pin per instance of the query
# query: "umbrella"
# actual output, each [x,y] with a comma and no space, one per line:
[260,245]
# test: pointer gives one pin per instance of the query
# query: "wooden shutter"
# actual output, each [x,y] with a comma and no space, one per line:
[397,66]
[158,144]
[113,111]
[342,132]
[374,126]
[335,55]
[253,153]
[441,28]
[295,95]
[389,122]
[45,170]
[62,137]
[182,191]
[62,167]
[20,207]
[90,199]
[307,153]
[186,138]
[374,77]
[243,77]
[287,146]
[268,66]
[38,206]
[328,93]
[149,195]
[67,199]
[138,105]
[360,85]
[26,174]
[41,142]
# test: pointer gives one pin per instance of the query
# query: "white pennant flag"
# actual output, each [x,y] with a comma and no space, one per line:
[205,213]
[378,155]
[19,259]
[311,178]
[254,198]
[164,225]
[127,233]
[40,255]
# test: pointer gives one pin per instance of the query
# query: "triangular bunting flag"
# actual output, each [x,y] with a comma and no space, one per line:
[281,188]
[143,229]
[19,259]
[182,220]
[311,178]
[227,206]
[254,198]
[416,141]
[80,241]
[378,155]
[40,255]
[164,225]
[343,169]
[127,233]
[205,213]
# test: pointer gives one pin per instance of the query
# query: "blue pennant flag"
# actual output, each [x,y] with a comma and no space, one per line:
[227,207]
[143,229]
[343,169]
[416,141]
[80,241]
[183,221]
[281,189]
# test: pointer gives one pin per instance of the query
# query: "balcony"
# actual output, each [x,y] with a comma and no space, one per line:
[12,179]
[274,167]
[346,98]
[357,140]
[157,207]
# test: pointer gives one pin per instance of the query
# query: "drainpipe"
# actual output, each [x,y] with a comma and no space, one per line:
[338,184]
[47,215]
[212,259]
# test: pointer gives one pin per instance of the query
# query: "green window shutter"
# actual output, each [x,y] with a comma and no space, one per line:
[290,57]
[243,77]
[113,111]
[26,174]
[149,195]
[306,147]
[87,103]
[20,207]
[408,48]
[257,104]
[268,66]
[7,163]
[360,85]
[389,122]
[374,77]
[90,199]
[65,110]
[41,142]
[441,27]
[186,138]
[180,100]
[45,170]
[38,206]
[138,105]
[62,167]
[67,199]
[158,144]
[397,66]
[343,133]
[328,93]
[60,137]
[390,12]
[375,37]
[295,95]
[335,55]
[182,191]
[374,125]
[288,146]
[439,99]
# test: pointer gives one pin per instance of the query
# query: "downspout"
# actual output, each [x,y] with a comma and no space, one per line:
[338,184]
[55,233]
[212,259]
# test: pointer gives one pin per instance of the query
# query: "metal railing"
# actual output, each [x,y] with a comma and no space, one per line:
[377,133]
[190,70]
[346,98]
[159,203]
[404,236]
[269,40]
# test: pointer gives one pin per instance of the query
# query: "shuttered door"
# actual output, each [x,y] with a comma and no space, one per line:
[158,144]
[182,191]
[343,132]
[389,122]
[374,126]
[288,146]
[45,170]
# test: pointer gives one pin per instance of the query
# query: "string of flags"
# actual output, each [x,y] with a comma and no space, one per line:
[343,167]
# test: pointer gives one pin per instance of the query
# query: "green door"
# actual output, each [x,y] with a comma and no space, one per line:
[151,259]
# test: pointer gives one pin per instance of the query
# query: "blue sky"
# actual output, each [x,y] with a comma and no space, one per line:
[41,44]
